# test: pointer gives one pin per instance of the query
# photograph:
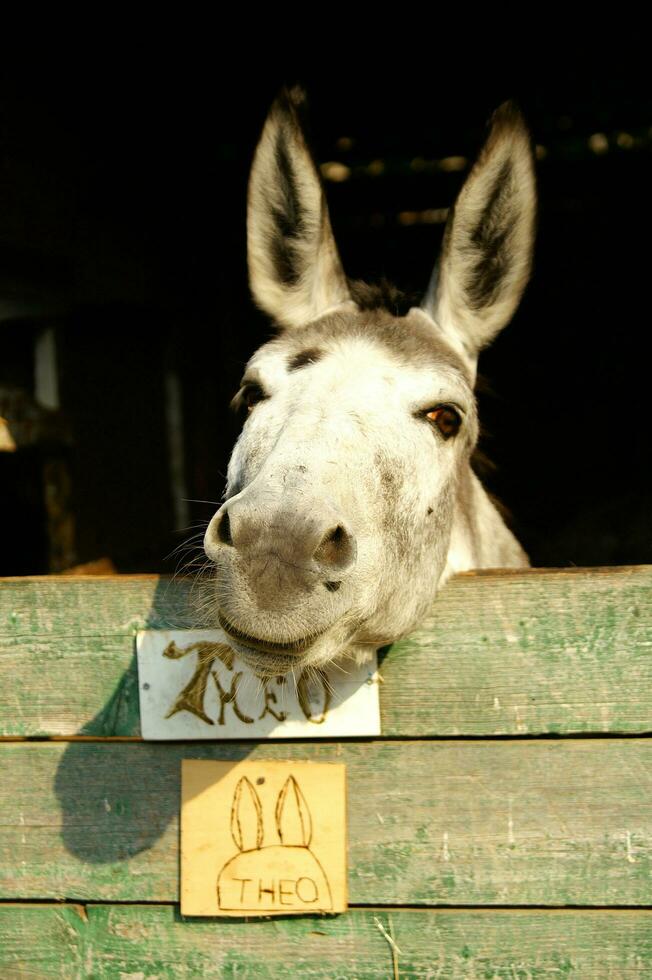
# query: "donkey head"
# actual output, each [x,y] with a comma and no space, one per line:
[349,496]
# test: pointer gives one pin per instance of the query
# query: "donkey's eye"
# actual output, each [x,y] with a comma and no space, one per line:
[446,418]
[250,395]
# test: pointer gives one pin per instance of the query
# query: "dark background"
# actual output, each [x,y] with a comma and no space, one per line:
[122,241]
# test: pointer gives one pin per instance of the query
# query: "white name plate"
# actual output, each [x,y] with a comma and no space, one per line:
[193,686]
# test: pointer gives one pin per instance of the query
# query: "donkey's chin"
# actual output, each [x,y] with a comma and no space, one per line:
[270,658]
[266,664]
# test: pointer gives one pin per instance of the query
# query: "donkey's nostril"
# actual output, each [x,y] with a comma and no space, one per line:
[224,529]
[336,549]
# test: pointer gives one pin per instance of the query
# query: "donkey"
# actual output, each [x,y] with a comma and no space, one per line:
[350,496]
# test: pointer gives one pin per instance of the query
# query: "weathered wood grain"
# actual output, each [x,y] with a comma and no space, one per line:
[96,605]
[62,686]
[107,942]
[525,653]
[518,653]
[546,822]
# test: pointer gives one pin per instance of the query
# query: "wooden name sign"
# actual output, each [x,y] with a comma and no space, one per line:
[262,838]
[193,686]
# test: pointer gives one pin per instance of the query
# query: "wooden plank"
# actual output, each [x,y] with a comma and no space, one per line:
[68,685]
[539,652]
[93,605]
[105,942]
[549,822]
[261,838]
[519,653]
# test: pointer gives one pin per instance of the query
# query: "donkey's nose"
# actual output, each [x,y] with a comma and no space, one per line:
[301,537]
[218,533]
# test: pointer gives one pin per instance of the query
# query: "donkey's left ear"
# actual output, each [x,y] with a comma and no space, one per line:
[487,250]
[294,269]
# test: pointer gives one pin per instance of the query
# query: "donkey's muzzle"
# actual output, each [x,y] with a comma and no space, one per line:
[295,543]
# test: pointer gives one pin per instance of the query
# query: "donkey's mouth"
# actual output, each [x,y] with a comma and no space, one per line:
[286,650]
[266,664]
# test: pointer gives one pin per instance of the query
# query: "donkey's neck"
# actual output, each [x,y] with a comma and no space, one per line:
[480,537]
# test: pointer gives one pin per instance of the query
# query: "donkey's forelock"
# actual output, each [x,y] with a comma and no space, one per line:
[413,340]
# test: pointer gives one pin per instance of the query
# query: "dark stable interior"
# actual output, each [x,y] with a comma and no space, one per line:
[126,319]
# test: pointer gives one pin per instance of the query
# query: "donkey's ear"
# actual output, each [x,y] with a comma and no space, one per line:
[487,250]
[294,269]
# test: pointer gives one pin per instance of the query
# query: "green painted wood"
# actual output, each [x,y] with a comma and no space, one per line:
[546,822]
[68,686]
[148,942]
[92,605]
[535,652]
[539,652]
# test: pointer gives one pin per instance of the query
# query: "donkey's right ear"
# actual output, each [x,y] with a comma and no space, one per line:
[295,272]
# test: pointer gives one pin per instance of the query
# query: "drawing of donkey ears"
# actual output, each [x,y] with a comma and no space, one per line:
[246,817]
[277,876]
[293,820]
